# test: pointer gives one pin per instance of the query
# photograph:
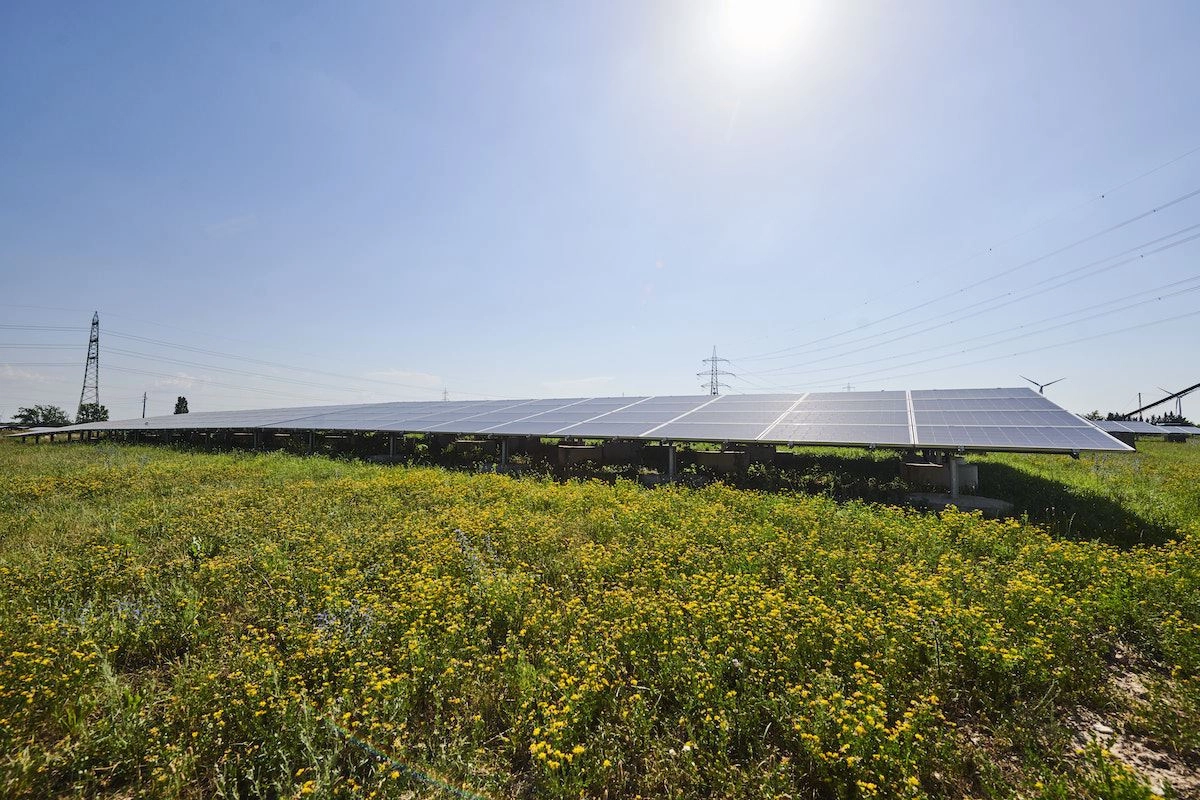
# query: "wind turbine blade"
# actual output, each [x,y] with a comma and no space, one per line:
[1051,383]
[1031,380]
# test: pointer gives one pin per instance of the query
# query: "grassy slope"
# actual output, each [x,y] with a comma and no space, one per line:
[180,624]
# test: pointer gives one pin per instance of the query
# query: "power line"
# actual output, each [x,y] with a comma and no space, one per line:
[1079,340]
[1059,215]
[206,381]
[266,363]
[1080,273]
[1103,195]
[229,370]
[233,356]
[958,342]
[793,368]
[926,303]
[1023,335]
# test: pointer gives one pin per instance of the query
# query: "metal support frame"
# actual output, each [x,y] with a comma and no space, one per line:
[952,465]
[391,445]
[503,452]
[671,462]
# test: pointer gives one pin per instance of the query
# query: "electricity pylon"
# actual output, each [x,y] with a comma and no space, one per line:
[90,393]
[714,372]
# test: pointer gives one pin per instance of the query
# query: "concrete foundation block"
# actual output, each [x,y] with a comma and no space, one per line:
[723,461]
[579,453]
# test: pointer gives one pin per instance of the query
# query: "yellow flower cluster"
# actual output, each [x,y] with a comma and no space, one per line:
[220,625]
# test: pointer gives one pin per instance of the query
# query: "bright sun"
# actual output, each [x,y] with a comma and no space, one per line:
[760,32]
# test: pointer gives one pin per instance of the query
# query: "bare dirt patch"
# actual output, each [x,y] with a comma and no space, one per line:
[1130,679]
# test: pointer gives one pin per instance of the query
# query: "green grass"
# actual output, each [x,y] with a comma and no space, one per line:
[1143,497]
[198,625]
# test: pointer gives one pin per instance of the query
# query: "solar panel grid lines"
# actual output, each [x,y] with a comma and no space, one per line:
[632,420]
[849,418]
[1003,419]
[681,416]
[844,435]
[557,420]
[484,419]
[365,413]
[1129,426]
[559,405]
[972,419]
[456,421]
[598,416]
[376,416]
[779,419]
[912,417]
[1190,430]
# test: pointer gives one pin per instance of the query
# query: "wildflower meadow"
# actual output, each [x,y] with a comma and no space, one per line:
[179,624]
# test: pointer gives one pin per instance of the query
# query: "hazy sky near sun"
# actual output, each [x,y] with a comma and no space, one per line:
[568,199]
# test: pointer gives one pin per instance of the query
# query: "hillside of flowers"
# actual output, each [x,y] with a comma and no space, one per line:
[200,625]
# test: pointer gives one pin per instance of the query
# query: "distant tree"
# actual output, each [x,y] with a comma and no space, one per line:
[42,417]
[181,405]
[1093,415]
[91,412]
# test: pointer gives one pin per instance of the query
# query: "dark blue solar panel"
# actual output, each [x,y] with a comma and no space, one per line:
[883,435]
[967,418]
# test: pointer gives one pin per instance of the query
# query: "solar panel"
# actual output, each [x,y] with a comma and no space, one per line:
[969,419]
[1000,419]
[851,418]
[1190,430]
[559,419]
[1129,426]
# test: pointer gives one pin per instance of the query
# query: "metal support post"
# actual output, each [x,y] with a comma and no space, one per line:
[504,452]
[953,465]
[391,445]
[312,442]
[257,439]
[671,462]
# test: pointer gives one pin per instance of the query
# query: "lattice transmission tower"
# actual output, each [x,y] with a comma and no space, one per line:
[715,373]
[90,393]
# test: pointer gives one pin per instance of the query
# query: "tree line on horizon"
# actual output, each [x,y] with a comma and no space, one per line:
[1167,418]
[51,416]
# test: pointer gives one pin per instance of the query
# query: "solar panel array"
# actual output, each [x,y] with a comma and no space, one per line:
[1129,426]
[1143,428]
[1190,430]
[969,419]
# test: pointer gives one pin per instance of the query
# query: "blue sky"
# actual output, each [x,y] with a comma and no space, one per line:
[568,199]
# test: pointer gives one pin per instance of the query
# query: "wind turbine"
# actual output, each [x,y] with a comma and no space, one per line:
[1178,402]
[1042,386]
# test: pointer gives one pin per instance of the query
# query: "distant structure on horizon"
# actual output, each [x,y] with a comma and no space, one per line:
[90,393]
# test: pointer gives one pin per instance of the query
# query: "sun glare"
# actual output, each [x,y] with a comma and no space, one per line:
[760,32]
